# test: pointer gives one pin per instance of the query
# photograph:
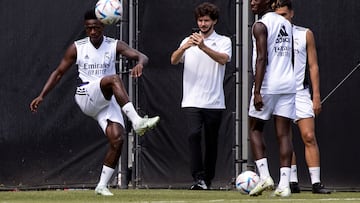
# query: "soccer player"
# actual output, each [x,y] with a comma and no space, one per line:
[273,93]
[204,54]
[100,92]
[306,109]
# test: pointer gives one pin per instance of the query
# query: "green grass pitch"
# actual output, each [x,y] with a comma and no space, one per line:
[169,196]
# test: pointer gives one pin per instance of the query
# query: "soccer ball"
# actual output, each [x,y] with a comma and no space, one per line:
[108,11]
[246,181]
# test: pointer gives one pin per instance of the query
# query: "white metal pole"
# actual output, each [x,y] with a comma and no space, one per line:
[238,89]
[245,80]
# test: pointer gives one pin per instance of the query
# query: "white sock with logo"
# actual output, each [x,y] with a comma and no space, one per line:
[131,113]
[105,176]
[284,177]
[263,168]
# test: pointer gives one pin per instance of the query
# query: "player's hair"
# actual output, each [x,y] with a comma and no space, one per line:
[282,3]
[207,9]
[90,15]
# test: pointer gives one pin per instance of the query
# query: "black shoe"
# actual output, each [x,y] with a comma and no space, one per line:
[199,185]
[319,188]
[294,187]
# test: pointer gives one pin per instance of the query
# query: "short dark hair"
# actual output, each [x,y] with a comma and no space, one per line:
[90,14]
[206,9]
[283,3]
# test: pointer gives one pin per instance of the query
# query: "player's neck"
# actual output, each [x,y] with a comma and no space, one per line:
[265,12]
[97,42]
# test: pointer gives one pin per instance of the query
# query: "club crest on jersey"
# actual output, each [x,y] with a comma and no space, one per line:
[107,58]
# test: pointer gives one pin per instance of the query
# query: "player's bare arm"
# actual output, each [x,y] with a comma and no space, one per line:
[314,71]
[260,34]
[124,49]
[68,60]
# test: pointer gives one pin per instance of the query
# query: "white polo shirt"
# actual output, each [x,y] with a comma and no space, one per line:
[203,77]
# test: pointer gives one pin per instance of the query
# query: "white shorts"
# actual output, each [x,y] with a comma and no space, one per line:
[304,105]
[92,102]
[274,104]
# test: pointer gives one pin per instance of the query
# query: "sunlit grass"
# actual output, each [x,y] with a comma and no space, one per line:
[167,195]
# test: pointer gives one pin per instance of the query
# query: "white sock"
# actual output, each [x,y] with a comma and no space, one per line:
[263,168]
[131,113]
[293,174]
[105,176]
[314,174]
[284,177]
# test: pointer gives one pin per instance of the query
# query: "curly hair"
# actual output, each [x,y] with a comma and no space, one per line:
[206,9]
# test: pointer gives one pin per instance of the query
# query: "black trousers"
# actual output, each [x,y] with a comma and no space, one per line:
[203,123]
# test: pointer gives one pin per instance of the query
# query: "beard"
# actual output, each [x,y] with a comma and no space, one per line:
[207,30]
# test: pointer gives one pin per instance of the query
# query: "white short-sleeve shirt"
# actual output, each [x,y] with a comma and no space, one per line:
[203,77]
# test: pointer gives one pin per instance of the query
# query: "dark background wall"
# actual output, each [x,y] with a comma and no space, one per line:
[163,25]
[60,147]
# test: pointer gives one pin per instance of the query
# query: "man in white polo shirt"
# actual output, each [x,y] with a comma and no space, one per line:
[204,54]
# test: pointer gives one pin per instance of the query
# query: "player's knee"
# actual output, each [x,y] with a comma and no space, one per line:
[309,138]
[115,79]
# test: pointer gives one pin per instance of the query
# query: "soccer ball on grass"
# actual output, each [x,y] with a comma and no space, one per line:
[246,181]
[108,11]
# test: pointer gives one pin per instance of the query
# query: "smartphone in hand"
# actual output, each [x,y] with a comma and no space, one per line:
[195,29]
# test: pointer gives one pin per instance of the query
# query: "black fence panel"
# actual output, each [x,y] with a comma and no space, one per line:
[335,25]
[58,146]
[164,154]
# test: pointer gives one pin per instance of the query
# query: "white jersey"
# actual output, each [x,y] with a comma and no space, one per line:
[279,77]
[203,77]
[95,63]
[299,34]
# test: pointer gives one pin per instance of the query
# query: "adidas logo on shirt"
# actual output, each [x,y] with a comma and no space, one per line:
[283,36]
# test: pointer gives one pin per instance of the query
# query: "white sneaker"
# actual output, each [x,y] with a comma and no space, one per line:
[282,192]
[263,184]
[145,124]
[104,191]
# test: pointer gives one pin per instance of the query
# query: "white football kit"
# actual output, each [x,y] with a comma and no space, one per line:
[93,65]
[303,102]
[278,87]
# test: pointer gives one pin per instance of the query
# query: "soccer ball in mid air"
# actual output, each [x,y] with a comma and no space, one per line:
[108,11]
[246,181]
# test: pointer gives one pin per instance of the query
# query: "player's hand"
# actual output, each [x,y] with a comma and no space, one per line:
[137,70]
[35,104]
[316,106]
[258,102]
